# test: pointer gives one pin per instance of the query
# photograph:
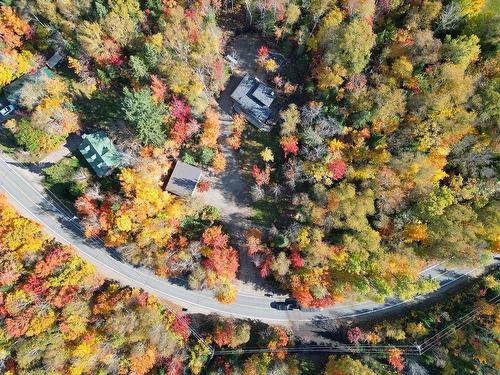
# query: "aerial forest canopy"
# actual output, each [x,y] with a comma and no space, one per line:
[391,161]
[331,151]
[382,159]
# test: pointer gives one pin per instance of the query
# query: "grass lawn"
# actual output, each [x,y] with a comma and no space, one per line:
[253,141]
[265,212]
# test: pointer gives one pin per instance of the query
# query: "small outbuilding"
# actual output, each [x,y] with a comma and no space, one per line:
[183,179]
[55,59]
[253,98]
[100,153]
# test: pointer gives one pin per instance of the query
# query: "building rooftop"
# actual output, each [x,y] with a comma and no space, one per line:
[100,153]
[264,94]
[12,91]
[54,60]
[184,179]
[254,99]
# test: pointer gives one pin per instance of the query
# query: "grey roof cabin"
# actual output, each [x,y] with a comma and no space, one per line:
[184,179]
[55,59]
[253,98]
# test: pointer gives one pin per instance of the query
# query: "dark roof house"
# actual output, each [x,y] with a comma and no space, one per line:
[184,179]
[253,98]
[100,153]
[12,92]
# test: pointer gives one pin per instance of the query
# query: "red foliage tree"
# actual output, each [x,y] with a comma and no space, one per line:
[338,168]
[263,52]
[18,325]
[65,295]
[180,110]
[262,177]
[172,365]
[180,326]
[355,335]
[395,359]
[289,144]
[265,266]
[34,285]
[221,258]
[214,237]
[303,296]
[180,132]
[223,261]
[85,205]
[296,260]
[58,256]
[218,69]
[203,186]
[116,59]
[224,332]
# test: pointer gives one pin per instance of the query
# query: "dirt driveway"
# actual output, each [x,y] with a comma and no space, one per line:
[229,191]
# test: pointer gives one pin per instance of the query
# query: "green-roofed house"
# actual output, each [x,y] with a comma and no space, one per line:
[100,153]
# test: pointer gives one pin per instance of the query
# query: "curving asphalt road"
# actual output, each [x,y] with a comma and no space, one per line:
[26,194]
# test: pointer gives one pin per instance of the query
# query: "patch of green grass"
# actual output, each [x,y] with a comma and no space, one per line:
[253,142]
[265,212]
[491,6]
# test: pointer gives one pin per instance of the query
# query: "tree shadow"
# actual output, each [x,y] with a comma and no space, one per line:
[103,107]
[36,168]
[67,218]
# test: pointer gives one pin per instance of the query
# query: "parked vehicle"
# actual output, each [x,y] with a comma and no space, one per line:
[281,306]
[5,111]
[288,304]
[293,303]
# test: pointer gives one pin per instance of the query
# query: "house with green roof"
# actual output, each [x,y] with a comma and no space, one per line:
[100,153]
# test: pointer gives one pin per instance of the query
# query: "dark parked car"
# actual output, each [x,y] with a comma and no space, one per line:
[281,306]
[292,302]
[288,304]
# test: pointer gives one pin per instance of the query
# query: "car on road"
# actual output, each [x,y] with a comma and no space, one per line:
[7,110]
[293,303]
[288,304]
[280,305]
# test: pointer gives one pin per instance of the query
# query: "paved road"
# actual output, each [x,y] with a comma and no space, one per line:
[26,194]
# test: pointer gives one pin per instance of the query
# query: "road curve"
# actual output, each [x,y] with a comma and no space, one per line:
[25,193]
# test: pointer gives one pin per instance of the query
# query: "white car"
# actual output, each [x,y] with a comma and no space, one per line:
[7,110]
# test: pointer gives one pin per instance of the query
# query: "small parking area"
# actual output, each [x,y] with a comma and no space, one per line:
[244,48]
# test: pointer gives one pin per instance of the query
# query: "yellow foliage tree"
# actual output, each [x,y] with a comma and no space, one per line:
[267,155]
